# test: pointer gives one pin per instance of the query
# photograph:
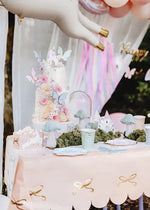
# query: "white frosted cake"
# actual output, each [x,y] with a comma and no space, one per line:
[51,93]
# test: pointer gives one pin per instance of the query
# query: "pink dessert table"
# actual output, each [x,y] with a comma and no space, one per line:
[45,181]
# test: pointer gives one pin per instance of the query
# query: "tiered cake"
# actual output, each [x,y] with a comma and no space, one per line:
[51,94]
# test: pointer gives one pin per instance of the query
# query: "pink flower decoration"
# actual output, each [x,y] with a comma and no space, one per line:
[44,79]
[66,111]
[55,117]
[44,101]
[58,88]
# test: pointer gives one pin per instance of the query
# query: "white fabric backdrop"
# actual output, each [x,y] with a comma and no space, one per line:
[3,39]
[41,35]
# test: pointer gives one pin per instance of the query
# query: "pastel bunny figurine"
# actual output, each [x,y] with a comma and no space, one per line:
[65,13]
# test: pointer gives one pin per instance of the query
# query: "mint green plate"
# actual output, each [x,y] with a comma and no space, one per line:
[69,151]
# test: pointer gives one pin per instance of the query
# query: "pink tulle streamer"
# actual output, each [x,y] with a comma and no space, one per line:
[98,71]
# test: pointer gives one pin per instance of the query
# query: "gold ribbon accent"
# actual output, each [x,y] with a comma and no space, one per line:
[85,184]
[130,179]
[36,192]
[19,203]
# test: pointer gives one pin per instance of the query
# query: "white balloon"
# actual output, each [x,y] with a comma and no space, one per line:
[116,3]
[65,13]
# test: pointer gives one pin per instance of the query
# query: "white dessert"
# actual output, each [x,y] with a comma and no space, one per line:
[26,138]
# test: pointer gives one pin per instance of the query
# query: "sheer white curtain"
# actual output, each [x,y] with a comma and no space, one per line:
[42,35]
[3,39]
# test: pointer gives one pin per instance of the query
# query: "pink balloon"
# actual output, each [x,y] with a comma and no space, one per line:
[116,3]
[121,11]
[141,12]
[140,2]
[97,7]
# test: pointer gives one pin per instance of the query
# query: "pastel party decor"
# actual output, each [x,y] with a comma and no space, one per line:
[121,142]
[129,72]
[116,3]
[79,99]
[100,72]
[137,54]
[27,138]
[78,181]
[121,11]
[66,10]
[50,81]
[140,120]
[129,120]
[50,127]
[141,12]
[82,116]
[97,7]
[105,123]
[70,151]
[117,8]
[87,137]
[147,130]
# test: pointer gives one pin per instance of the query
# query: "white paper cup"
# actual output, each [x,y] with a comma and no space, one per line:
[140,120]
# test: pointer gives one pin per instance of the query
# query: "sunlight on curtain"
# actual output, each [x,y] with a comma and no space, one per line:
[42,35]
[3,39]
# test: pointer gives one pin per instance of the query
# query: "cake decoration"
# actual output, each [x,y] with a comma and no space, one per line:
[50,81]
[50,127]
[27,137]
[129,120]
[105,123]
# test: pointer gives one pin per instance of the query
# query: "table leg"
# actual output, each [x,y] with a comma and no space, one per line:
[141,207]
[105,207]
[118,207]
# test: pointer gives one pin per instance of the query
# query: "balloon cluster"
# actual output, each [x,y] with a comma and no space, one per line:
[140,9]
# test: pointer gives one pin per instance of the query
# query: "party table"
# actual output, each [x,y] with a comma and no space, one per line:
[45,181]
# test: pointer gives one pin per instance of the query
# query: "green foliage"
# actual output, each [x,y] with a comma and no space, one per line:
[138,135]
[73,138]
[143,92]
[103,136]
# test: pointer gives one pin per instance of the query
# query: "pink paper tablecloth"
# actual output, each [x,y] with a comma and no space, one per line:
[79,181]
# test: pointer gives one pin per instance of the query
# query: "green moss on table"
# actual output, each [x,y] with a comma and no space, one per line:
[138,135]
[73,138]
